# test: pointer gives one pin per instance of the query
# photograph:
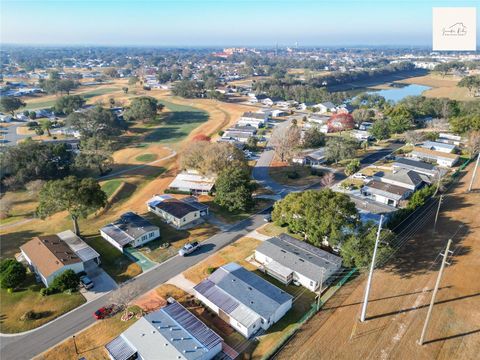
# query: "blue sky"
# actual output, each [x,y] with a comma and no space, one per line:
[220,22]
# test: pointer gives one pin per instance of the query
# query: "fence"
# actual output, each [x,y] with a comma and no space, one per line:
[308,315]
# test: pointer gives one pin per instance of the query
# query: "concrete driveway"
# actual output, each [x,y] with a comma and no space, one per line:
[103,283]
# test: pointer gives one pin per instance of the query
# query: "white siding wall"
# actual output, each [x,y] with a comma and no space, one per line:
[152,235]
[111,241]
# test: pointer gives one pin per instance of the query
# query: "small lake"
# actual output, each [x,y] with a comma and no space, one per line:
[397,94]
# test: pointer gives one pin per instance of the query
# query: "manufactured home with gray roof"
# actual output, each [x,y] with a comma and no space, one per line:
[243,299]
[288,259]
[169,333]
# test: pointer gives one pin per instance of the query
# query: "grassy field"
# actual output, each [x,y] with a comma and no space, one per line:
[117,265]
[14,305]
[110,186]
[90,342]
[280,173]
[230,217]
[146,157]
[176,238]
[235,252]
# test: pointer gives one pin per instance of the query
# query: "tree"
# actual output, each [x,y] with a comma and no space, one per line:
[33,160]
[233,189]
[361,115]
[357,249]
[95,153]
[32,115]
[285,141]
[12,273]
[380,130]
[65,86]
[465,123]
[79,197]
[419,197]
[125,90]
[46,125]
[472,83]
[473,143]
[211,158]
[317,215]
[10,104]
[111,72]
[142,109]
[340,148]
[413,137]
[133,80]
[327,179]
[400,119]
[97,121]
[252,143]
[352,167]
[313,138]
[67,280]
[68,104]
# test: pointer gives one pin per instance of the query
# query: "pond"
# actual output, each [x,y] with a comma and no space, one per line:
[397,94]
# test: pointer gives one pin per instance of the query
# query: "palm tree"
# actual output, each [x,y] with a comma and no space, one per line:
[47,125]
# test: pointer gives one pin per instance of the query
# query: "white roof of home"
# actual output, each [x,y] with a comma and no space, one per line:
[432,145]
[169,333]
[80,247]
[189,180]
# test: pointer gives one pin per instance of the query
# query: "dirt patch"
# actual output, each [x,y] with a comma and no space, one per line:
[401,293]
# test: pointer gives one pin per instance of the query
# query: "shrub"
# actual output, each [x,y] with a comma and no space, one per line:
[67,280]
[49,291]
[12,273]
[211,269]
[293,174]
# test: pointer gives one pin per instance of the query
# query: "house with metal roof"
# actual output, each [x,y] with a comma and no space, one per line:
[441,158]
[312,157]
[179,213]
[130,230]
[51,255]
[255,119]
[193,183]
[243,299]
[439,146]
[418,166]
[172,332]
[288,259]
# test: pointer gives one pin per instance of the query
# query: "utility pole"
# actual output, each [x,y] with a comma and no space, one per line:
[75,343]
[438,211]
[320,286]
[432,301]
[474,173]
[370,275]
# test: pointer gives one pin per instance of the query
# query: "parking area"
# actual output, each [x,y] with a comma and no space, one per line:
[103,283]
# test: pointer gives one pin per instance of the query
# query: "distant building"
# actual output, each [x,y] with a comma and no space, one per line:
[325,107]
[192,182]
[243,299]
[385,193]
[406,178]
[418,166]
[288,259]
[313,158]
[172,332]
[257,120]
[130,230]
[177,212]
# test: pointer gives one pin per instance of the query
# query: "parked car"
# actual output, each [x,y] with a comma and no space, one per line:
[267,218]
[86,282]
[188,248]
[359,176]
[104,312]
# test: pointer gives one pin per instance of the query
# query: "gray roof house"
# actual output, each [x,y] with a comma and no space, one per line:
[129,230]
[169,333]
[385,193]
[243,299]
[405,178]
[439,146]
[179,213]
[418,166]
[287,259]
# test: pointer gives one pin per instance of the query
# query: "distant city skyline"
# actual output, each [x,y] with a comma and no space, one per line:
[219,23]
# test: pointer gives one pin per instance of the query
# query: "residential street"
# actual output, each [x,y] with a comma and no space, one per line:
[36,341]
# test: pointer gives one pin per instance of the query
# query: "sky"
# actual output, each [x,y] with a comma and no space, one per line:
[221,22]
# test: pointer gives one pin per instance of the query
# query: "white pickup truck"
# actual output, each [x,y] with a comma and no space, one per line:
[188,248]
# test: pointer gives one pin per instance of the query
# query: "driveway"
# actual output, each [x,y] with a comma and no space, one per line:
[8,134]
[103,284]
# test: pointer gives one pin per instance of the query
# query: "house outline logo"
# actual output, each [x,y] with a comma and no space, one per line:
[457,29]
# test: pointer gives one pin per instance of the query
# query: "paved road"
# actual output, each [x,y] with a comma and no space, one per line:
[9,136]
[26,346]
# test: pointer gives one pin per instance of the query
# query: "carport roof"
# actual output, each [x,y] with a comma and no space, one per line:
[80,247]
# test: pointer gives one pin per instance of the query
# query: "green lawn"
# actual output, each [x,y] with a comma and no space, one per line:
[39,105]
[146,158]
[110,186]
[14,305]
[98,92]
[232,217]
[117,265]
[176,124]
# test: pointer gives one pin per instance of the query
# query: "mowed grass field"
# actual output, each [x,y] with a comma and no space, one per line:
[442,87]
[14,305]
